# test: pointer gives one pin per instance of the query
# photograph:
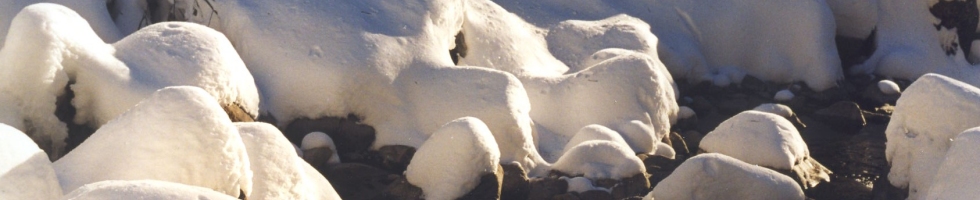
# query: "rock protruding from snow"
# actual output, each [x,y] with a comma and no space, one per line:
[594,132]
[889,87]
[452,161]
[930,113]
[957,176]
[25,171]
[716,176]
[318,148]
[144,189]
[768,140]
[277,172]
[178,134]
[600,160]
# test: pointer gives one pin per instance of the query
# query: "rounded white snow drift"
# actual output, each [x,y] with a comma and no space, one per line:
[889,87]
[450,163]
[783,95]
[716,176]
[600,160]
[277,172]
[25,171]
[759,138]
[144,190]
[594,132]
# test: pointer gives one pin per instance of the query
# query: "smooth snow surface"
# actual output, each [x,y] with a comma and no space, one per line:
[581,184]
[789,40]
[758,138]
[716,176]
[320,140]
[25,171]
[178,134]
[685,112]
[450,163]
[957,176]
[600,160]
[775,108]
[930,113]
[277,172]
[854,18]
[144,190]
[783,95]
[93,11]
[594,132]
[889,87]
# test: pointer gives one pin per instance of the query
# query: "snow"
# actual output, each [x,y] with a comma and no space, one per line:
[685,112]
[700,41]
[178,134]
[889,87]
[909,44]
[759,138]
[600,160]
[956,177]
[449,164]
[277,172]
[10,113]
[783,95]
[854,18]
[93,11]
[716,176]
[320,140]
[581,184]
[145,190]
[25,171]
[594,132]
[931,112]
[775,108]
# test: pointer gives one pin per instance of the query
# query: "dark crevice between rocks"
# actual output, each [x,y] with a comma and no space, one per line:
[854,51]
[65,111]
[961,15]
[460,50]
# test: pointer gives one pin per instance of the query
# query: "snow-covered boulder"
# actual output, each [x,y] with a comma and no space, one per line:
[94,12]
[277,172]
[716,176]
[53,46]
[957,176]
[450,163]
[384,61]
[767,140]
[178,134]
[854,18]
[600,160]
[25,171]
[318,148]
[594,132]
[144,189]
[931,112]
[702,41]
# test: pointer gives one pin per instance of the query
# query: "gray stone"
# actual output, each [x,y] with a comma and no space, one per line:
[516,184]
[636,185]
[845,116]
[396,157]
[358,181]
[400,189]
[488,188]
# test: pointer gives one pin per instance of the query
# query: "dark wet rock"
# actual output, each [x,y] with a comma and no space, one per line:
[752,83]
[701,105]
[359,181]
[883,190]
[733,104]
[845,116]
[677,142]
[843,189]
[636,185]
[595,195]
[400,189]
[566,196]
[318,157]
[658,167]
[488,188]
[692,139]
[238,114]
[853,51]
[873,97]
[396,157]
[808,173]
[546,188]
[515,184]
[686,123]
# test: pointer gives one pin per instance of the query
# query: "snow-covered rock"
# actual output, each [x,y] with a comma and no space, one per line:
[449,164]
[600,160]
[581,184]
[783,95]
[957,176]
[701,40]
[854,18]
[716,176]
[889,87]
[178,134]
[317,142]
[109,79]
[277,172]
[594,132]
[931,112]
[94,12]
[25,171]
[767,140]
[144,189]
[685,112]
[775,108]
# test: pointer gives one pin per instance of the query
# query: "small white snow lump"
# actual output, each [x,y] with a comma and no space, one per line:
[600,160]
[685,112]
[144,190]
[783,95]
[716,176]
[450,163]
[25,171]
[889,87]
[315,145]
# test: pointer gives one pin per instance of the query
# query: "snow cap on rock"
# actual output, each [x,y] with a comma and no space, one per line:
[594,132]
[759,138]
[600,159]
[783,95]
[145,190]
[277,172]
[449,164]
[717,176]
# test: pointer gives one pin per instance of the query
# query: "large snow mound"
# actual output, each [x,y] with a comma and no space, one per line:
[759,138]
[178,134]
[957,176]
[25,171]
[600,159]
[717,176]
[450,163]
[278,173]
[790,40]
[144,190]
[930,113]
[93,11]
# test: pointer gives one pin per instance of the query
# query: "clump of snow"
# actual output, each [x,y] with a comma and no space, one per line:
[25,171]
[145,190]
[320,140]
[594,132]
[178,134]
[854,18]
[889,87]
[930,113]
[759,138]
[775,108]
[957,176]
[581,184]
[94,12]
[783,95]
[576,43]
[600,160]
[697,37]
[716,176]
[449,164]
[277,172]
[685,112]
